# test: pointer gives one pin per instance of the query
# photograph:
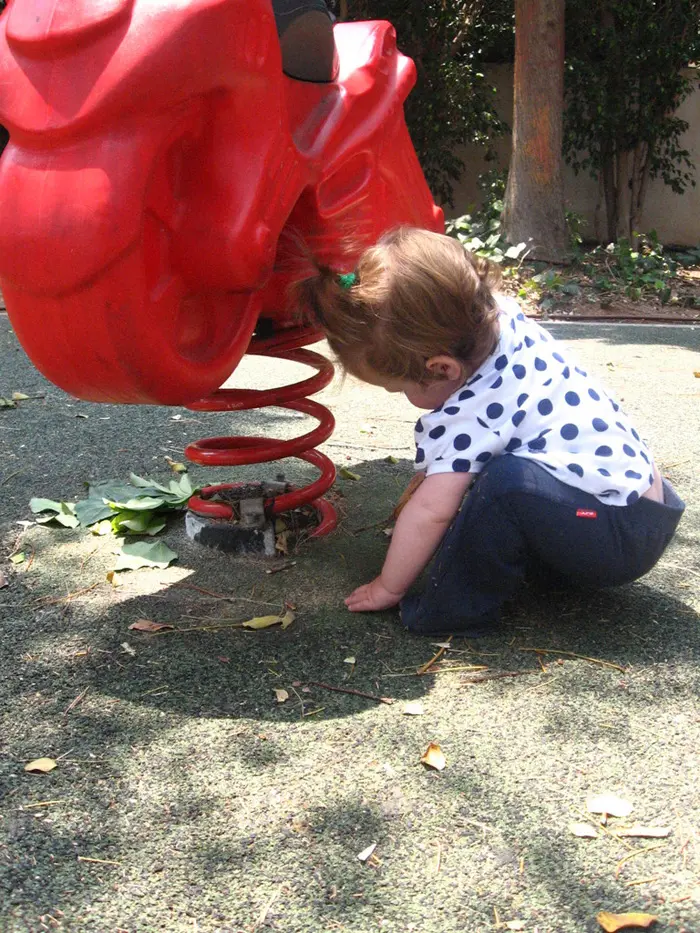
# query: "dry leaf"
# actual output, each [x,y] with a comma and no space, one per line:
[126,647]
[349,660]
[515,925]
[41,765]
[113,578]
[697,375]
[433,757]
[415,482]
[19,397]
[415,708]
[3,580]
[613,922]
[643,832]
[584,830]
[609,804]
[147,625]
[282,695]
[260,622]
[175,465]
[367,853]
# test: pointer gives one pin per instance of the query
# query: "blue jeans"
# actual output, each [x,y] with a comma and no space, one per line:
[519,520]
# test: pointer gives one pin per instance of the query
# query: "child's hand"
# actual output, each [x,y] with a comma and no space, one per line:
[372,597]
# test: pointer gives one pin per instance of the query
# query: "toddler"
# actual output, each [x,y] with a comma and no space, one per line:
[560,485]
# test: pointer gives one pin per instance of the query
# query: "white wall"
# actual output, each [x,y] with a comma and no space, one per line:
[676,218]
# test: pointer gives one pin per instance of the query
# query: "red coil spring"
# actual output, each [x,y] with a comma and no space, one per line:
[236,451]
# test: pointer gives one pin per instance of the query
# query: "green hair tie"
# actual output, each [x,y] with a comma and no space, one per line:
[347,279]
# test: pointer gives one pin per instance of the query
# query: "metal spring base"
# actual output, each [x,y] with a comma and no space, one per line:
[235,451]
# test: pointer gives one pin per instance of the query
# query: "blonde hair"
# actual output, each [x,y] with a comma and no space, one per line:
[416,294]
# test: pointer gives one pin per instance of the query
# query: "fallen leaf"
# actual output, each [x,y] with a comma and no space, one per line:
[147,625]
[347,474]
[433,757]
[126,647]
[643,832]
[101,528]
[113,578]
[176,466]
[584,830]
[137,554]
[414,708]
[282,695]
[260,622]
[609,804]
[7,403]
[18,558]
[19,397]
[613,922]
[40,765]
[515,925]
[697,375]
[349,660]
[3,580]
[414,483]
[367,853]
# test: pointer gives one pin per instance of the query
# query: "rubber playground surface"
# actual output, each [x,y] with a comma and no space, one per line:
[209,779]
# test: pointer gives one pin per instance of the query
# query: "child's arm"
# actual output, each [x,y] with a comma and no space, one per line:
[419,530]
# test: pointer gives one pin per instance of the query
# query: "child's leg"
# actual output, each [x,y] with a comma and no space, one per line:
[516,515]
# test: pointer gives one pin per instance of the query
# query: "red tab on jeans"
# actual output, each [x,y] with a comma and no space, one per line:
[586,513]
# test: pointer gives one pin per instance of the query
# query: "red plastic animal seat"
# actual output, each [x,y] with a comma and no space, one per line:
[156,154]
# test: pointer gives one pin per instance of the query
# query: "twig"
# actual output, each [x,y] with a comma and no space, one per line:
[244,599]
[456,670]
[97,861]
[634,854]
[10,476]
[581,657]
[301,701]
[48,601]
[287,566]
[494,675]
[356,693]
[42,803]
[629,884]
[74,703]
[424,667]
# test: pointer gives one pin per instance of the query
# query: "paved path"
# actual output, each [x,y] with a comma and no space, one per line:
[186,798]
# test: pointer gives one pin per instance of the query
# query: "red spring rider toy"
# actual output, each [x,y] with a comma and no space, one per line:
[157,152]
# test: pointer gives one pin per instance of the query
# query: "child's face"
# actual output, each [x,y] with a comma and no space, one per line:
[425,395]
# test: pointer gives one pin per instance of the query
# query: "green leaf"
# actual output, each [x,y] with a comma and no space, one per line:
[91,511]
[513,252]
[18,558]
[140,504]
[137,554]
[7,403]
[61,512]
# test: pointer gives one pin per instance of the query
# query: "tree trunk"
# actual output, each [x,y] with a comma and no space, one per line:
[534,202]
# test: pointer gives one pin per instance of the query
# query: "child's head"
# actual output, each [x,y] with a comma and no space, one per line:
[417,296]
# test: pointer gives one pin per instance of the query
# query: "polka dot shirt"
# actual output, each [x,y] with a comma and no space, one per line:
[529,399]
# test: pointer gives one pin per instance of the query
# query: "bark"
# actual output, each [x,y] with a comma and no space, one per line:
[534,202]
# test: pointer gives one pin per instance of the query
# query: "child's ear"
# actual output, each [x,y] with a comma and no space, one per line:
[445,368]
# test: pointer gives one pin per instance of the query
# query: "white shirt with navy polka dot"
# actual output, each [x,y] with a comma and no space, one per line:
[529,399]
